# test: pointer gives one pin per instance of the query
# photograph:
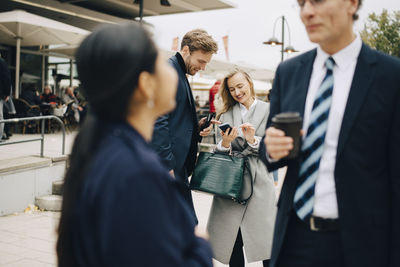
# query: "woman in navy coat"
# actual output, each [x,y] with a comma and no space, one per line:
[120,206]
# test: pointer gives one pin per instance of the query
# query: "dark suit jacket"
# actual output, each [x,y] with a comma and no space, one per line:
[5,80]
[367,171]
[130,211]
[176,134]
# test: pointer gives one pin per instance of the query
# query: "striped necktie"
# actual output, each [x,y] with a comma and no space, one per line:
[313,145]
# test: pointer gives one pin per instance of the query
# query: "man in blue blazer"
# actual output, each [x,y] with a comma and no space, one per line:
[177,133]
[340,201]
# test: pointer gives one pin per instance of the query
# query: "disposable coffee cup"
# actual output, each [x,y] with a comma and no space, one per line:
[290,123]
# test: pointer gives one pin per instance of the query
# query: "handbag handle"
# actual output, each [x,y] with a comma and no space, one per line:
[222,153]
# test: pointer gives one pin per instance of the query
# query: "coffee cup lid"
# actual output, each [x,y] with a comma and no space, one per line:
[287,117]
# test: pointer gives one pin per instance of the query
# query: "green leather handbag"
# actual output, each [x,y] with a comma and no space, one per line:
[220,174]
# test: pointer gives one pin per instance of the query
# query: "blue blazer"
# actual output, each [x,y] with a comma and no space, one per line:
[367,171]
[176,134]
[131,212]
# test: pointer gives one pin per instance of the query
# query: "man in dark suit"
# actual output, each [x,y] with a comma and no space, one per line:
[177,133]
[5,90]
[340,201]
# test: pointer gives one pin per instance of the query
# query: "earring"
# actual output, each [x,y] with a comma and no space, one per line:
[150,103]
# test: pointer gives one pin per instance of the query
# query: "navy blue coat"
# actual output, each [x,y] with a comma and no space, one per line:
[130,212]
[176,134]
[367,170]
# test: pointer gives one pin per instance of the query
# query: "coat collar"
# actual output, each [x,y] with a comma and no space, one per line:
[254,116]
[181,62]
[182,76]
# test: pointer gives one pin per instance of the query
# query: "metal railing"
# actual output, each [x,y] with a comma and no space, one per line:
[41,139]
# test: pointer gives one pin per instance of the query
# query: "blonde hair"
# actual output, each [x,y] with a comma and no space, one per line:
[227,99]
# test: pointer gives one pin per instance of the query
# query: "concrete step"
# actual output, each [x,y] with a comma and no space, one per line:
[58,187]
[49,202]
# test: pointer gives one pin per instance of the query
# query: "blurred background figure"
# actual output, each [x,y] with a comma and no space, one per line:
[232,225]
[32,104]
[31,95]
[49,101]
[197,102]
[120,205]
[213,91]
[5,92]
[211,98]
[48,97]
[73,104]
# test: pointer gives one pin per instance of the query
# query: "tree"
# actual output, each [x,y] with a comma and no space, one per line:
[382,32]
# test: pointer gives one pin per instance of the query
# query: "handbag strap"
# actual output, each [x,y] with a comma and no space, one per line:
[244,201]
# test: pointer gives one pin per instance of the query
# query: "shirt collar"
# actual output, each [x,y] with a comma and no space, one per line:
[243,108]
[343,57]
[181,62]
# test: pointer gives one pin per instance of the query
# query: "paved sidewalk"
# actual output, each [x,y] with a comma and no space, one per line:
[28,239]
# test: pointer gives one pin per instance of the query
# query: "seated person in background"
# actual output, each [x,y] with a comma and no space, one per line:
[49,101]
[80,97]
[70,98]
[48,97]
[31,95]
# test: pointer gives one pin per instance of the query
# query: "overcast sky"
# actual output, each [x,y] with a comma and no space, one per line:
[248,25]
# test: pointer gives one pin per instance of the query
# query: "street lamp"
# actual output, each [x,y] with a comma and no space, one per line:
[274,41]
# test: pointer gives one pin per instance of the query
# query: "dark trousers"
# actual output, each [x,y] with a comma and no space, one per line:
[183,186]
[237,257]
[305,248]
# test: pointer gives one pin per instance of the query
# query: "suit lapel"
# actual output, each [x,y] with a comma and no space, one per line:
[303,75]
[189,92]
[256,115]
[192,106]
[363,76]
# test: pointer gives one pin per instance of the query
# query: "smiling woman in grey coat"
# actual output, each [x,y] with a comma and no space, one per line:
[233,226]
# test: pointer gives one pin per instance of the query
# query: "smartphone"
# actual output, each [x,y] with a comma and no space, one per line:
[207,122]
[224,127]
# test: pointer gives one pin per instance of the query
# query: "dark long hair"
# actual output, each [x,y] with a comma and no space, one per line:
[109,62]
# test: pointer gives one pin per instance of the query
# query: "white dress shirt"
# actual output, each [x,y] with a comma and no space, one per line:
[325,204]
[243,112]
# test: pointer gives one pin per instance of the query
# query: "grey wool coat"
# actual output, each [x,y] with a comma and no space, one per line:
[256,219]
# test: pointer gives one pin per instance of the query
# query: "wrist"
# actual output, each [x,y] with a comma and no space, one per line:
[251,141]
[226,144]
